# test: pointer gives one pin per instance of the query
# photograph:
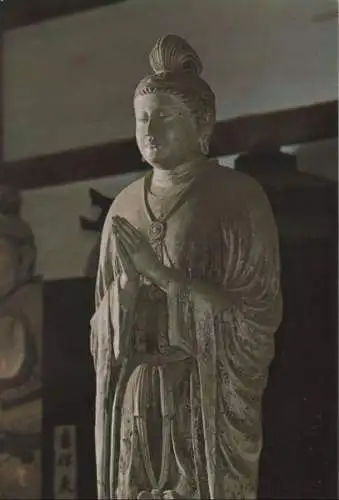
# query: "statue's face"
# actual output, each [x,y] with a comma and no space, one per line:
[8,266]
[166,132]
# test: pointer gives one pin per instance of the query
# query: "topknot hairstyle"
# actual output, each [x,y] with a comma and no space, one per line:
[176,70]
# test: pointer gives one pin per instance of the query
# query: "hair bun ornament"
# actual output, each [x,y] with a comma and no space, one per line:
[172,53]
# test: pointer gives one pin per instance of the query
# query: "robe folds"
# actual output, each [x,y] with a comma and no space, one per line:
[215,361]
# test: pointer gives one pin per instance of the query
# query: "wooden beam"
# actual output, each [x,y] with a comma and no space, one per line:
[249,133]
[19,13]
[1,98]
[76,165]
[272,130]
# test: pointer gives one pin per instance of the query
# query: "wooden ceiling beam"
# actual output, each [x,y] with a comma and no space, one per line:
[275,129]
[18,13]
[262,132]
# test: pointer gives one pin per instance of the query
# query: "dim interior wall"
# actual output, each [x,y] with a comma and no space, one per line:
[53,212]
[69,82]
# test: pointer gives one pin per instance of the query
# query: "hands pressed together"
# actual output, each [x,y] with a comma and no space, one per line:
[137,257]
[135,254]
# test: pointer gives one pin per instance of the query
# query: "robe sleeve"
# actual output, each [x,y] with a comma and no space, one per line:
[233,348]
[109,343]
[250,278]
[111,322]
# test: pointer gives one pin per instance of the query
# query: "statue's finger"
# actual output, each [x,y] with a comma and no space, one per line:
[128,237]
[123,255]
[122,222]
[127,242]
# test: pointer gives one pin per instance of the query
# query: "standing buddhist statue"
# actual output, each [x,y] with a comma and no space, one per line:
[187,304]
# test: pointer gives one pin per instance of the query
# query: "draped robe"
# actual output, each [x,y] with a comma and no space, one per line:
[214,362]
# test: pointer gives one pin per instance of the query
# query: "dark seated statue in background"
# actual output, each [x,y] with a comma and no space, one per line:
[20,355]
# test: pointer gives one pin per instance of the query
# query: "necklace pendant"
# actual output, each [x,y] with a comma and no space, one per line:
[157,231]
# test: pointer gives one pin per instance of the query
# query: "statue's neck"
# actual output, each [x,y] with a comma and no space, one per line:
[182,174]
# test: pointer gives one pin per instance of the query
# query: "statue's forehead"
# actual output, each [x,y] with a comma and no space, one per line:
[157,100]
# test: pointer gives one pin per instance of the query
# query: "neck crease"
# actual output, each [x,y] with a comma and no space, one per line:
[182,174]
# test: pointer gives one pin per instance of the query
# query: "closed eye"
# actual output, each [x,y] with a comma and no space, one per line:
[166,116]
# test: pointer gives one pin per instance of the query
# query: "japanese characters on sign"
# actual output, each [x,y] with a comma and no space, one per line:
[65,467]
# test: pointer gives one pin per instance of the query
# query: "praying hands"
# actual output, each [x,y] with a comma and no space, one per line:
[136,254]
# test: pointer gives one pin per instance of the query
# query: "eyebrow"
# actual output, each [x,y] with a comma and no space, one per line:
[159,109]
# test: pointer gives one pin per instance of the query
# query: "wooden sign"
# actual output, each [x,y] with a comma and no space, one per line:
[65,463]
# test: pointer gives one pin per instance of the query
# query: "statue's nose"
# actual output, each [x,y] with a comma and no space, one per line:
[152,126]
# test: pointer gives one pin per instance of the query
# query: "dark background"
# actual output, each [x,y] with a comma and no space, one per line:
[69,379]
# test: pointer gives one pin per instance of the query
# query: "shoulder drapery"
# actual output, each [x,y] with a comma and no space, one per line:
[109,344]
[112,312]
[234,348]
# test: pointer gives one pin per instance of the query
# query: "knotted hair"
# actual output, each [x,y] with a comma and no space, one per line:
[176,71]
